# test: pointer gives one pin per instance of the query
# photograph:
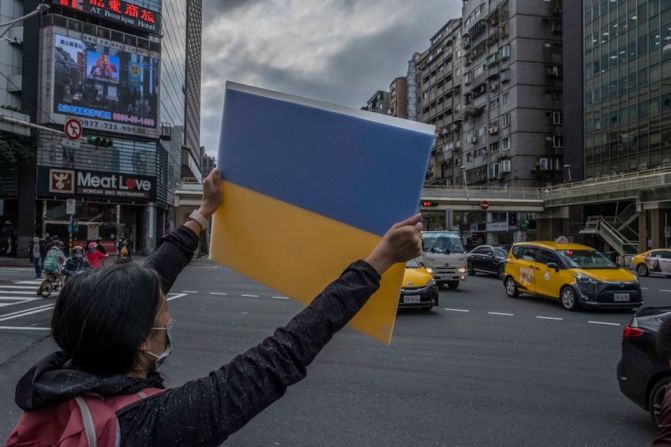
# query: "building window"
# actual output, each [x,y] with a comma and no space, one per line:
[494,104]
[504,76]
[556,117]
[493,170]
[469,157]
[506,95]
[504,52]
[557,141]
[494,147]
[505,166]
[505,120]
[505,143]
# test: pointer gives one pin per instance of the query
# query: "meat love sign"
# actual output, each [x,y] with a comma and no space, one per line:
[57,181]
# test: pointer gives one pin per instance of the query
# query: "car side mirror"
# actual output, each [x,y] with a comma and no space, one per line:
[553,265]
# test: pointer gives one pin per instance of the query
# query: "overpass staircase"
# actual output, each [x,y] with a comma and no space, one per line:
[616,231]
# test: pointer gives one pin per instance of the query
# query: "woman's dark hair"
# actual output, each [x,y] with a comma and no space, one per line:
[101,317]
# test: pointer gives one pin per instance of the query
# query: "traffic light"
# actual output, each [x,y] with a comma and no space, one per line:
[428,203]
[99,141]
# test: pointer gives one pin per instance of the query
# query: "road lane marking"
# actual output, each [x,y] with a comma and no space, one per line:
[26,313]
[18,301]
[456,310]
[548,318]
[644,288]
[35,282]
[189,291]
[18,287]
[44,306]
[23,328]
[605,323]
[218,293]
[280,298]
[249,296]
[505,314]
[19,298]
[176,295]
[664,290]
[20,292]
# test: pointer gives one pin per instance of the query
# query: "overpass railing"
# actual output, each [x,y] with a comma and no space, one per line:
[475,193]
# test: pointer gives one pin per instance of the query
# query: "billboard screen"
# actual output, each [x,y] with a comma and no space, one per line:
[109,86]
[102,67]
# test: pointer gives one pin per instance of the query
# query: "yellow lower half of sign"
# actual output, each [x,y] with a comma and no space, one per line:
[298,253]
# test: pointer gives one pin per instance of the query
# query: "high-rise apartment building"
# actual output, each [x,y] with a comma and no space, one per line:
[627,85]
[398,97]
[378,103]
[512,92]
[439,101]
[191,154]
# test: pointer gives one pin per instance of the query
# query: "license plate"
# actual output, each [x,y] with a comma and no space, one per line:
[621,296]
[411,299]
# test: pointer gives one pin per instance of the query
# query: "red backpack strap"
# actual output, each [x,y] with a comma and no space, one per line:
[99,420]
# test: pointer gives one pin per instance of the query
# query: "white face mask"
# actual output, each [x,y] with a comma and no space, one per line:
[160,359]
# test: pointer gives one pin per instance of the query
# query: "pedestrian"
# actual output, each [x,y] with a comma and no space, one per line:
[101,248]
[95,257]
[110,353]
[37,251]
[54,261]
[663,345]
[561,240]
[124,251]
[6,238]
[77,263]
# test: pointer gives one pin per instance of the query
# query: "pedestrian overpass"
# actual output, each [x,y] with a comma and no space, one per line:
[626,232]
[642,187]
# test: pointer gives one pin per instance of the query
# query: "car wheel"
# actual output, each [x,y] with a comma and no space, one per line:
[656,397]
[501,272]
[453,284]
[511,287]
[642,270]
[568,298]
[45,289]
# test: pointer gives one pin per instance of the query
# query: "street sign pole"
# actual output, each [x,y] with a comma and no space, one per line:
[71,210]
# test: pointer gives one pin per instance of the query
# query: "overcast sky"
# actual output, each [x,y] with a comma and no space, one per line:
[340,51]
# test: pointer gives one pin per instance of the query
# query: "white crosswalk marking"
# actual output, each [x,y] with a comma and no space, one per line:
[18,292]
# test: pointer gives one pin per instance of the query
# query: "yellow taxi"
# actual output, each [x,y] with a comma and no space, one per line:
[653,261]
[575,275]
[418,289]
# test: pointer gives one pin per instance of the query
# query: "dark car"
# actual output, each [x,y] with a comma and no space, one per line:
[642,373]
[489,259]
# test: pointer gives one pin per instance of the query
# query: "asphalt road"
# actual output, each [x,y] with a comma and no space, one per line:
[482,369]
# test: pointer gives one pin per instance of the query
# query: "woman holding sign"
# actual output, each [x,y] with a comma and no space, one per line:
[114,330]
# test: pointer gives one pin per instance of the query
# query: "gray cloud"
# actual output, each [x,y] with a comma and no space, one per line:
[339,51]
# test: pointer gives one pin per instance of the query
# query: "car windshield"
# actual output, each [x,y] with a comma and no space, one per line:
[446,243]
[500,253]
[586,259]
[412,264]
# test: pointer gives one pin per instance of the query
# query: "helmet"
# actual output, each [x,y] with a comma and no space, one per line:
[92,246]
[77,251]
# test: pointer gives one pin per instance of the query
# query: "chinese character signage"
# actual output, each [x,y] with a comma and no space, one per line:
[119,11]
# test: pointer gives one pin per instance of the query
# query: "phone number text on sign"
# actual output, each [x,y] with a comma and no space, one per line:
[113,127]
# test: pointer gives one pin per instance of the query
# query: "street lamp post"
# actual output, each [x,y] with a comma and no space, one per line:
[463,171]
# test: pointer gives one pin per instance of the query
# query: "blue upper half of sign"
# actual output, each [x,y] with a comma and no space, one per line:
[359,168]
